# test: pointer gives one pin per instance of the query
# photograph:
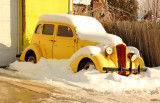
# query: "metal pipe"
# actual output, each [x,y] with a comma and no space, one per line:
[130,69]
[71,7]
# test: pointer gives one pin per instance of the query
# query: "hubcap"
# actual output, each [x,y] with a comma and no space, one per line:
[87,65]
[32,59]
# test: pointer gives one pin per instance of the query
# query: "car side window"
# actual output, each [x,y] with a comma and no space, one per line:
[65,31]
[38,29]
[48,29]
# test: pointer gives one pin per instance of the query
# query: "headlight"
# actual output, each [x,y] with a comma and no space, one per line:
[132,56]
[109,50]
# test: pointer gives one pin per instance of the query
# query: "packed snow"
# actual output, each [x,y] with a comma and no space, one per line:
[87,28]
[57,72]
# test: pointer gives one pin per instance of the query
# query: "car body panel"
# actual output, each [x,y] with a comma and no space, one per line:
[101,61]
[83,43]
[66,46]
[98,60]
[60,47]
[35,48]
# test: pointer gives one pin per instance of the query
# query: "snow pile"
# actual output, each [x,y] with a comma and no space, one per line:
[54,72]
[87,28]
[84,2]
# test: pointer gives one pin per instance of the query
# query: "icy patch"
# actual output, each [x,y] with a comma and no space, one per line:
[56,72]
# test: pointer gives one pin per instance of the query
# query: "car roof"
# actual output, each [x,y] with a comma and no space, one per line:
[87,28]
[64,18]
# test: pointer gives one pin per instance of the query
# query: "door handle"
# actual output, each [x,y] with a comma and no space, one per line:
[52,40]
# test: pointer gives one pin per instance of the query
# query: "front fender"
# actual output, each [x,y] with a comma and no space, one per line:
[35,48]
[139,61]
[99,61]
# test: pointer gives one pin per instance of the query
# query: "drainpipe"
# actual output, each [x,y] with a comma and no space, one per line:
[71,7]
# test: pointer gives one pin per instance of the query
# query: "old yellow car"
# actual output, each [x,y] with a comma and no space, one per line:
[84,42]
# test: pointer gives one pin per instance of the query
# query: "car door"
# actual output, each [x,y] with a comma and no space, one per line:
[46,40]
[64,42]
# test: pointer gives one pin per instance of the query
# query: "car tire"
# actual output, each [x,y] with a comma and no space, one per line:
[85,65]
[32,58]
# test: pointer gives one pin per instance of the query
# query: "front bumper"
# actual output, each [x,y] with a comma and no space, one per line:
[130,70]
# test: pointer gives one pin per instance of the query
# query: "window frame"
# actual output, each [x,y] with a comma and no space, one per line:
[65,26]
[53,29]
[40,29]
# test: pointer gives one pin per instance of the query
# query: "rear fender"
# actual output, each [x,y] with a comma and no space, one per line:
[35,48]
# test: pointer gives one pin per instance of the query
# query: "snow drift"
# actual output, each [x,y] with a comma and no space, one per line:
[56,72]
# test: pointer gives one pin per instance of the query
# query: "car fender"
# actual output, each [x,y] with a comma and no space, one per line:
[35,48]
[131,49]
[98,58]
[139,61]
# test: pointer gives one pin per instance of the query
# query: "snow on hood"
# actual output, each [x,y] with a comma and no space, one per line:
[55,72]
[102,38]
[87,28]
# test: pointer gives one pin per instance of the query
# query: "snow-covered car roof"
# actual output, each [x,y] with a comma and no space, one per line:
[87,28]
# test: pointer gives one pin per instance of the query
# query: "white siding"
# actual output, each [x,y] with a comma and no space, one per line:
[8,31]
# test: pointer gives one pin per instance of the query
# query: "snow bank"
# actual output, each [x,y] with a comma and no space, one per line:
[87,28]
[54,72]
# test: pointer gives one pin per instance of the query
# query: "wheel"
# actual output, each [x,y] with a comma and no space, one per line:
[31,58]
[85,64]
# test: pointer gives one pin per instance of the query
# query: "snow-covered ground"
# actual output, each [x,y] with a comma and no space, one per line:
[56,72]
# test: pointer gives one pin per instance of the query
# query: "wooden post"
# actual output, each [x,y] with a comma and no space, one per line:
[157,9]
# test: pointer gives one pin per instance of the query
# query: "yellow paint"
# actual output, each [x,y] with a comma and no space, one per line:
[35,8]
[99,60]
[34,47]
[58,47]
[139,61]
[62,44]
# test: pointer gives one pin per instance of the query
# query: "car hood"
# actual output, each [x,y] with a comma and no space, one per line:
[102,38]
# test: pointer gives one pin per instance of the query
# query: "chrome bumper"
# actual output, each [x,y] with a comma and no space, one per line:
[120,69]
